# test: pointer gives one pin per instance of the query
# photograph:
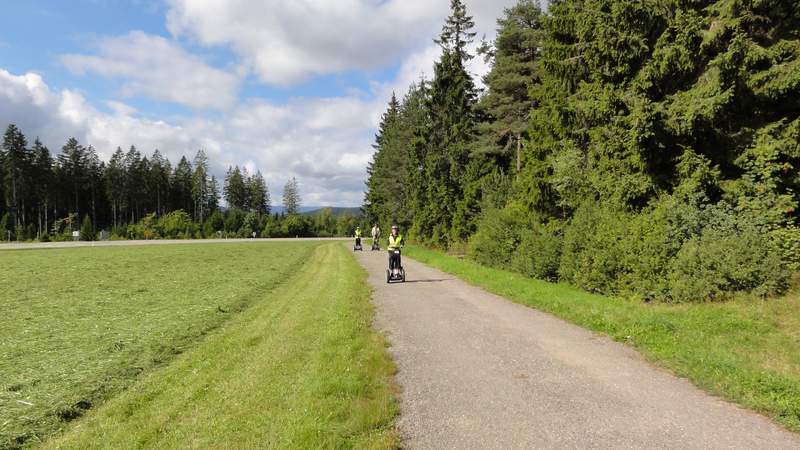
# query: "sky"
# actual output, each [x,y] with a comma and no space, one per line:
[290,88]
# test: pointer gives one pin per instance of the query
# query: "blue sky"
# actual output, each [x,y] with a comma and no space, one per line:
[286,88]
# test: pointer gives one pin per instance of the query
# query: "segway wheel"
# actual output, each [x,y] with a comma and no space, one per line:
[402,275]
[388,276]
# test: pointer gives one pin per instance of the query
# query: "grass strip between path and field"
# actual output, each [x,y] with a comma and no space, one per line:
[301,368]
[747,351]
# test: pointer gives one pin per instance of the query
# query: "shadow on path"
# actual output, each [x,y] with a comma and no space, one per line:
[429,281]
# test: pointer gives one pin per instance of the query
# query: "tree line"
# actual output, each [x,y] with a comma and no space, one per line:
[46,197]
[648,149]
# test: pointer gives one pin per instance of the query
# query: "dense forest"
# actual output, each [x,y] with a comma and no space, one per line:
[135,197]
[639,148]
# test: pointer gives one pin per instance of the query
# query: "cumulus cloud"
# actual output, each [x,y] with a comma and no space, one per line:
[157,68]
[324,142]
[287,42]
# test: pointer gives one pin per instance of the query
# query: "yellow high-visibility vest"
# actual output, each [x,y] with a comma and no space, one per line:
[395,242]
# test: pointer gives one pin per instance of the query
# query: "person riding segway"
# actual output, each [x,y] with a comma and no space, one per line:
[358,240]
[396,243]
[376,237]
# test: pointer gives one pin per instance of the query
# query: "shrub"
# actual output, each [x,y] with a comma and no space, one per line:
[87,234]
[593,249]
[539,253]
[175,224]
[497,238]
[786,242]
[728,257]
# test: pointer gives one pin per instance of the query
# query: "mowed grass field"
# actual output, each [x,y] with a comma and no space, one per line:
[747,351]
[202,346]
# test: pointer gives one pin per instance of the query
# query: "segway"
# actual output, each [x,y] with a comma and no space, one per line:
[401,275]
[376,244]
[358,245]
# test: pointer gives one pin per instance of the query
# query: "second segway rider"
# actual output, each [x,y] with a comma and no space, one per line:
[376,237]
[396,241]
[358,237]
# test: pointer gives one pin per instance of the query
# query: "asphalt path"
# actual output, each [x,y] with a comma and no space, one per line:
[478,371]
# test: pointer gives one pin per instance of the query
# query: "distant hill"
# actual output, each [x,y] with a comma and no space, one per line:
[336,211]
[311,210]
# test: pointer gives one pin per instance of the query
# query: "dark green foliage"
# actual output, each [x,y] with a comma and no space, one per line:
[87,229]
[539,252]
[659,147]
[506,106]
[498,237]
[174,224]
[730,255]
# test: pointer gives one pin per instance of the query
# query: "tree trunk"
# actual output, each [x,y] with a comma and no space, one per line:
[519,151]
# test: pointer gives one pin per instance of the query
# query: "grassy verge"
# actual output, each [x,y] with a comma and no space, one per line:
[746,351]
[300,368]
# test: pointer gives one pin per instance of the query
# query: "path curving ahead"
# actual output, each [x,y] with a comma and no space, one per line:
[478,371]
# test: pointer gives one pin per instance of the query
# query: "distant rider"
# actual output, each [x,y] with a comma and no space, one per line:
[396,241]
[358,236]
[376,233]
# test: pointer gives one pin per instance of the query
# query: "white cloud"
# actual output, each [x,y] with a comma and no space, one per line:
[325,142]
[158,68]
[288,42]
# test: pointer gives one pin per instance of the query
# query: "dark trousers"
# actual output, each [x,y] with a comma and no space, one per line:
[394,260]
[358,242]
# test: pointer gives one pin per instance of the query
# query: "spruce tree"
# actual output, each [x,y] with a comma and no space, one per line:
[259,194]
[16,160]
[72,167]
[448,210]
[505,108]
[200,186]
[43,181]
[291,197]
[181,186]
[235,189]
[115,186]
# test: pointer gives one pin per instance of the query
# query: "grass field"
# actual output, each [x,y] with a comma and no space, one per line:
[747,351]
[209,345]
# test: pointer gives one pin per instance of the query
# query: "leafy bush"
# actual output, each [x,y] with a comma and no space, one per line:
[728,257]
[87,234]
[497,238]
[593,249]
[786,242]
[175,224]
[538,254]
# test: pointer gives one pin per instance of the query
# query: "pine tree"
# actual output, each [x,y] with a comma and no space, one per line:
[291,197]
[181,186]
[200,185]
[73,173]
[380,171]
[158,180]
[212,202]
[259,194]
[115,185]
[235,189]
[43,184]
[506,106]
[16,160]
[448,214]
